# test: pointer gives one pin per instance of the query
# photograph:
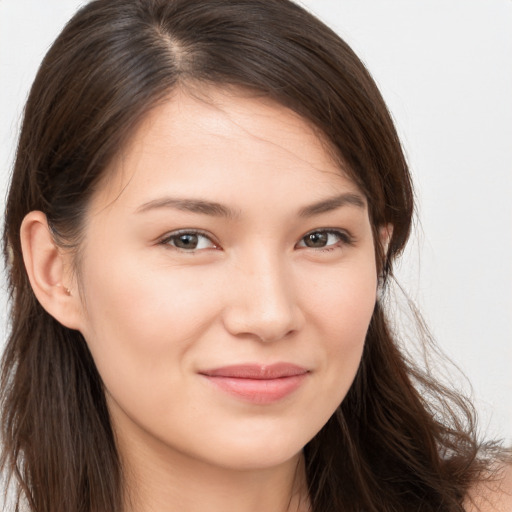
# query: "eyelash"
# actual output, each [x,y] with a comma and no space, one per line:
[344,238]
[194,232]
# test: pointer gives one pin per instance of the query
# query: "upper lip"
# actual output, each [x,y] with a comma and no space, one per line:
[256,371]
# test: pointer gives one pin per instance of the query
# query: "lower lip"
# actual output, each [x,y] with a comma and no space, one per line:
[259,391]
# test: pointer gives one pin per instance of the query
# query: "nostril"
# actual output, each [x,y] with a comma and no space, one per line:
[242,320]
[262,301]
[276,337]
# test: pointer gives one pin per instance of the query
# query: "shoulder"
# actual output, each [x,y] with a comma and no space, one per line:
[492,495]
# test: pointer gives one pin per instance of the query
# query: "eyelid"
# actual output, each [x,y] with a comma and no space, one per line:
[164,240]
[345,238]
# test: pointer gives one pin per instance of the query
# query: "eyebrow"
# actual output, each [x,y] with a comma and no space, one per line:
[190,205]
[333,203]
[219,210]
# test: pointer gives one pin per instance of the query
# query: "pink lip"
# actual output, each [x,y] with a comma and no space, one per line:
[260,384]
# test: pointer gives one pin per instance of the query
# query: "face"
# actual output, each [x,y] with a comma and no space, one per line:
[227,282]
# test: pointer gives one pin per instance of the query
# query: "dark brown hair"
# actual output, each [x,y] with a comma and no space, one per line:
[399,441]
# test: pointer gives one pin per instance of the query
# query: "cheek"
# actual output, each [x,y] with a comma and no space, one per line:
[343,301]
[147,324]
[341,314]
[139,321]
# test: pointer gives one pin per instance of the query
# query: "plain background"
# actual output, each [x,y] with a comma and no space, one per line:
[445,70]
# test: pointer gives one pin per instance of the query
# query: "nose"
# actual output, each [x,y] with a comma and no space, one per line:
[263,301]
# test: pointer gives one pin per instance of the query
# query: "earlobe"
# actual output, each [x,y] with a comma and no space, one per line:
[48,270]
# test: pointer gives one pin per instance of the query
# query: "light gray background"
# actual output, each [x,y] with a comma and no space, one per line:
[445,70]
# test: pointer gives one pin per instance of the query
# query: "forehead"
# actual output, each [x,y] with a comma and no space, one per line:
[222,142]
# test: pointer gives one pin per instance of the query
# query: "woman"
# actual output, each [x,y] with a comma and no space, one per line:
[207,200]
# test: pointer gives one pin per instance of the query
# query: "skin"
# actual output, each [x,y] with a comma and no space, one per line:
[494,494]
[254,290]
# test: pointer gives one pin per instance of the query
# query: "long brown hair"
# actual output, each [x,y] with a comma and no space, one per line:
[399,441]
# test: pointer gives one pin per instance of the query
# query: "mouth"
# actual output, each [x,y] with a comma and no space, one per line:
[258,384]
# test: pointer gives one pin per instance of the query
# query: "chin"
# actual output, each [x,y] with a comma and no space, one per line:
[258,452]
[257,460]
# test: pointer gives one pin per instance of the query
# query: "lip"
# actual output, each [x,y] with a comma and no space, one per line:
[256,383]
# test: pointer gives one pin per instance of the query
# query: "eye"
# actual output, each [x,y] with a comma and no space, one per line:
[324,239]
[189,241]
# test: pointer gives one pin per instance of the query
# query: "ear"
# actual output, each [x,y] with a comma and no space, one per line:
[385,234]
[49,271]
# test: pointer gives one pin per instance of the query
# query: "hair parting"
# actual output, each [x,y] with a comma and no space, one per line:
[400,441]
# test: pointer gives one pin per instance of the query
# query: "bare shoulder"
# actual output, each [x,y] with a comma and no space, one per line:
[493,495]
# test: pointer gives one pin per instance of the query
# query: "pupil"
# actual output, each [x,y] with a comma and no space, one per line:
[316,240]
[187,241]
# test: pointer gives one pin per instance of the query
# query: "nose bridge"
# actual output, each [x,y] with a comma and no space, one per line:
[264,303]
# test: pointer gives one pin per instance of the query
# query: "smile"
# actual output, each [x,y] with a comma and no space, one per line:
[259,384]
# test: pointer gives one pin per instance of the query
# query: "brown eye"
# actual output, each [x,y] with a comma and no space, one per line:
[324,239]
[188,241]
[316,239]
